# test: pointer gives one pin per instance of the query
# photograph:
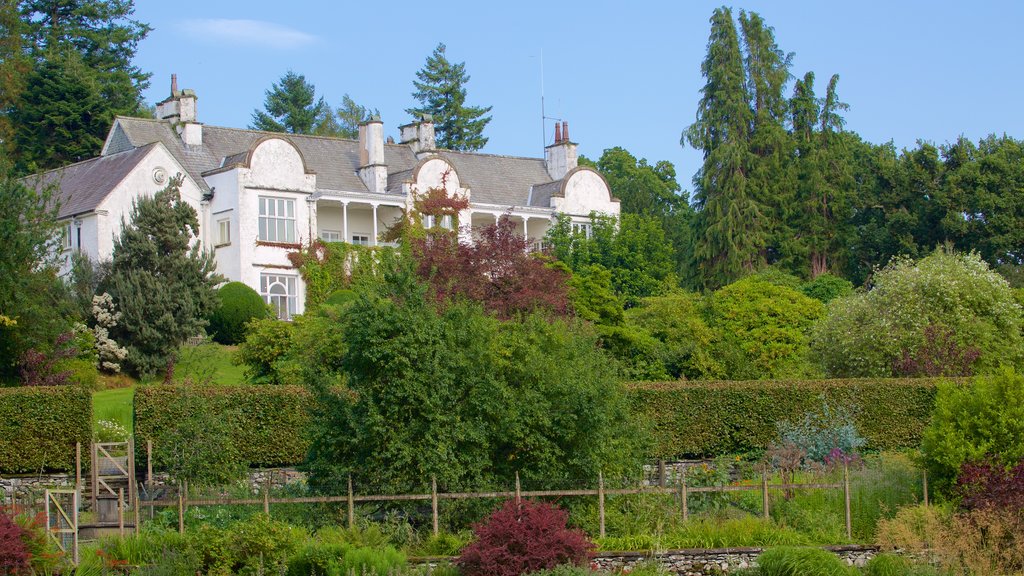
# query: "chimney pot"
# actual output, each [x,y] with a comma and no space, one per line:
[565,131]
[558,132]
[174,85]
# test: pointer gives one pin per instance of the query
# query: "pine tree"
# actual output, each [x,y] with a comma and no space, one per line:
[351,115]
[82,76]
[730,229]
[291,106]
[161,280]
[442,94]
[14,68]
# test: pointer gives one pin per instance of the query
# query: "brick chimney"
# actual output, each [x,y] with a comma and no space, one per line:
[560,157]
[372,169]
[419,135]
[179,109]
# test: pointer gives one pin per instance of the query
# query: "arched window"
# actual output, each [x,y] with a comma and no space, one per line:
[279,291]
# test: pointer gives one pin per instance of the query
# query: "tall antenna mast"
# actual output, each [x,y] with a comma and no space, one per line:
[543,120]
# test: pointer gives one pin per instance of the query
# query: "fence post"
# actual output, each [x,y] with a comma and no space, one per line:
[121,511]
[131,470]
[661,473]
[683,496]
[764,492]
[433,503]
[94,475]
[135,510]
[518,491]
[181,509]
[600,500]
[266,501]
[351,505]
[924,479]
[846,499]
[149,464]
[78,465]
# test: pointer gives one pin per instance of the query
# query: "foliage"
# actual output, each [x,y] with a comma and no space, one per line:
[479,398]
[110,431]
[263,352]
[747,531]
[991,485]
[39,427]
[867,333]
[887,564]
[81,78]
[441,92]
[32,298]
[327,267]
[822,435]
[914,528]
[981,420]
[257,425]
[709,418]
[523,537]
[109,354]
[160,280]
[826,288]
[938,355]
[788,561]
[349,115]
[768,327]
[494,270]
[14,557]
[38,368]
[291,106]
[239,304]
[677,321]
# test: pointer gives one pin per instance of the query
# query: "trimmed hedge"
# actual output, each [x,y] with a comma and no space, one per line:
[269,425]
[713,418]
[40,425]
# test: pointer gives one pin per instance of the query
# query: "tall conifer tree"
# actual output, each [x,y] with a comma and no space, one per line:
[291,106]
[730,229]
[441,91]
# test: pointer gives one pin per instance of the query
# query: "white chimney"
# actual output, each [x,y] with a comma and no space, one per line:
[419,135]
[372,169]
[560,157]
[180,110]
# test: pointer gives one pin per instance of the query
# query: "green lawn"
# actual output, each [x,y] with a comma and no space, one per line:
[207,363]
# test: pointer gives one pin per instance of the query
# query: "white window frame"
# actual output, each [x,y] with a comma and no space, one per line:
[276,220]
[331,236]
[585,228]
[428,221]
[65,241]
[223,232]
[281,292]
[361,239]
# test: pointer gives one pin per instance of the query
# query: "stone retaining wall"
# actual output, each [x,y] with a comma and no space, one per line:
[701,562]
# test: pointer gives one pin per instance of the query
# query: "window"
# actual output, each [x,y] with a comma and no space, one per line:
[583,228]
[330,236]
[361,239]
[223,232]
[279,292]
[277,220]
[65,240]
[447,222]
[428,221]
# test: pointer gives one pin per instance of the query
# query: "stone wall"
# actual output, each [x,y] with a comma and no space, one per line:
[700,562]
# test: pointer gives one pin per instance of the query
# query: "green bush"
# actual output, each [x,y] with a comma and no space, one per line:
[238,305]
[264,353]
[887,564]
[826,288]
[267,425]
[711,418]
[983,420]
[39,427]
[786,561]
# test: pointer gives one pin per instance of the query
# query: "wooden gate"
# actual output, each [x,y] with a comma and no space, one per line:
[62,520]
[113,467]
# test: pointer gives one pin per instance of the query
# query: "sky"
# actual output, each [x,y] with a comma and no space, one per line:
[621,74]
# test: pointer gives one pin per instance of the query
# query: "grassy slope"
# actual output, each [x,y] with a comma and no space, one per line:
[206,363]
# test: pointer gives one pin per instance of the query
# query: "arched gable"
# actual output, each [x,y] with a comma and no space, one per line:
[584,190]
[276,163]
[436,172]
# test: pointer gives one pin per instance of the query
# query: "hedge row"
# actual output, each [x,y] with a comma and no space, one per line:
[39,427]
[712,418]
[269,425]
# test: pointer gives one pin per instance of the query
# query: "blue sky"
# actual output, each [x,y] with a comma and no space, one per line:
[622,74]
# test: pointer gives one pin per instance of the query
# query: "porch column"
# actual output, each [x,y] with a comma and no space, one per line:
[374,225]
[313,226]
[344,222]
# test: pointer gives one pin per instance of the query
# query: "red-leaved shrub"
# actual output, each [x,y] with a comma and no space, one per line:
[984,485]
[521,538]
[14,557]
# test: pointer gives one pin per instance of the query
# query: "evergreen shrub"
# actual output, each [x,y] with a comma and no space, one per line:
[786,561]
[267,425]
[712,418]
[39,427]
[238,305]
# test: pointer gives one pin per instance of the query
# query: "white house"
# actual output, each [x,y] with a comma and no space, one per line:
[261,195]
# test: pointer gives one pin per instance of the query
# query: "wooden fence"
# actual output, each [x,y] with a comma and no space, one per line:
[682,491]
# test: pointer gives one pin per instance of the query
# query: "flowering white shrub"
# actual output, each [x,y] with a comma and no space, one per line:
[109,354]
[110,431]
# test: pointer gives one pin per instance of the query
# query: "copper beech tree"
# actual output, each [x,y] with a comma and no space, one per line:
[490,265]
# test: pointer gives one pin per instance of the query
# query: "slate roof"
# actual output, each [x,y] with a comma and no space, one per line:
[81,187]
[492,179]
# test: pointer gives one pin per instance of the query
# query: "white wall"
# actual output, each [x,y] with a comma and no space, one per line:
[586,192]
